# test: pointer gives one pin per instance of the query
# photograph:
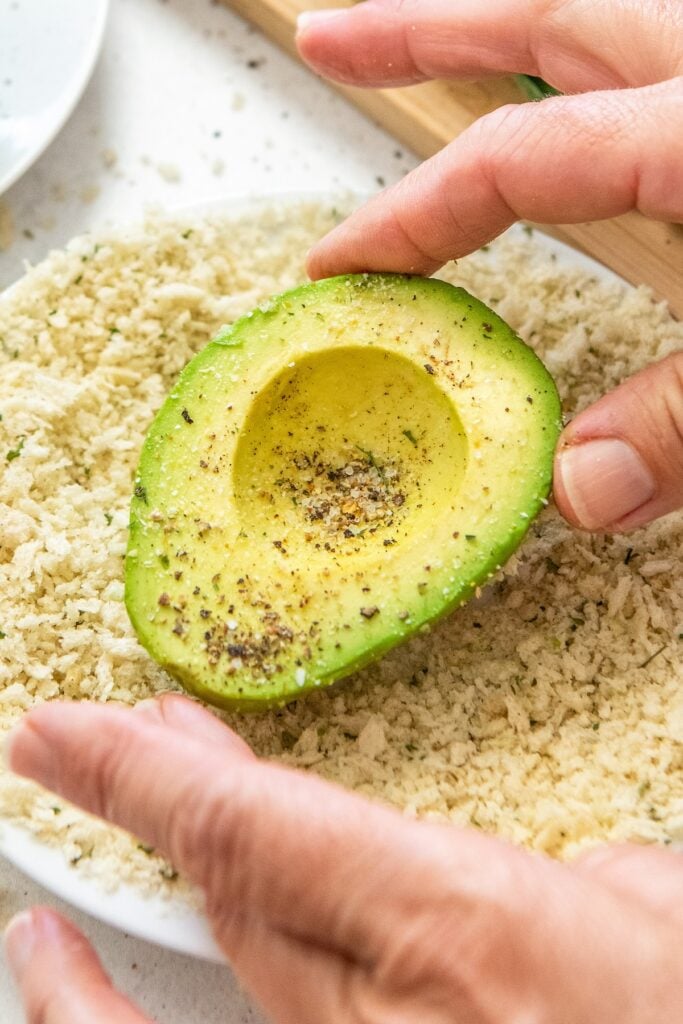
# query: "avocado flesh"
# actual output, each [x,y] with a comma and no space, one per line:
[331,473]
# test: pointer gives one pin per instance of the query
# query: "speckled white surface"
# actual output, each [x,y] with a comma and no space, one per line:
[186,104]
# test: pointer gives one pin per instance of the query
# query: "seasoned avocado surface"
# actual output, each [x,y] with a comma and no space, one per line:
[329,474]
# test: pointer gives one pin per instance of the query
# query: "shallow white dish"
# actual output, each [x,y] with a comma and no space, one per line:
[166,922]
[161,921]
[47,53]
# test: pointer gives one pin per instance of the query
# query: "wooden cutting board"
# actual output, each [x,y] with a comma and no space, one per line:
[426,117]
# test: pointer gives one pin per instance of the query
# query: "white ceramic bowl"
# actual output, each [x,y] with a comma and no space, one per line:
[48,49]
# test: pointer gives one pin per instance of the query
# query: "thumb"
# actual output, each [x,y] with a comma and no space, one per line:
[60,977]
[619,464]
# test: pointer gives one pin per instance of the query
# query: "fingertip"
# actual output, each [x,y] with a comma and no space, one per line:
[326,257]
[317,36]
[59,975]
[19,941]
[30,930]
[26,749]
[307,20]
[314,264]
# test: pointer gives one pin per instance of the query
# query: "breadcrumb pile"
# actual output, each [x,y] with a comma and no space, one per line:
[549,711]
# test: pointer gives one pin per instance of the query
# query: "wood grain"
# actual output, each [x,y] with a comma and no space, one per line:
[426,117]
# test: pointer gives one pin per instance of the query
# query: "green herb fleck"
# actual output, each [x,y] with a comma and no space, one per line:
[411,437]
[371,459]
[535,88]
[14,453]
[83,855]
[7,350]
[141,493]
[109,517]
[164,561]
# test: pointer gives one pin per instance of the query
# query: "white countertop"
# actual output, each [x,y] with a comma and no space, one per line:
[186,104]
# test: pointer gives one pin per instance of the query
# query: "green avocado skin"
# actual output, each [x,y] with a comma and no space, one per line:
[334,472]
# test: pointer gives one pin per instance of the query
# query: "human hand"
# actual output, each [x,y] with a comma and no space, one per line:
[332,909]
[617,146]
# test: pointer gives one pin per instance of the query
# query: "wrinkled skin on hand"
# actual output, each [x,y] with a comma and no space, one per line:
[332,909]
[613,144]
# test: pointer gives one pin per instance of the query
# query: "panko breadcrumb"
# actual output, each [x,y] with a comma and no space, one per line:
[548,711]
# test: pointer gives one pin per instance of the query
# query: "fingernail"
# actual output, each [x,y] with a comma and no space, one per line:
[20,942]
[170,709]
[604,480]
[308,18]
[150,707]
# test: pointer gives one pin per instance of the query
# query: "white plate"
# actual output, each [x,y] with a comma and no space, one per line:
[170,923]
[161,921]
[48,49]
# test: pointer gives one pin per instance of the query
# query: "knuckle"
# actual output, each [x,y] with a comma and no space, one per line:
[209,838]
[503,136]
[673,404]
[499,142]
[496,128]
[411,243]
[674,363]
[658,392]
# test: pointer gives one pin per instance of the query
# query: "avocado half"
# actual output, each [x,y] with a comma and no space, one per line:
[332,472]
